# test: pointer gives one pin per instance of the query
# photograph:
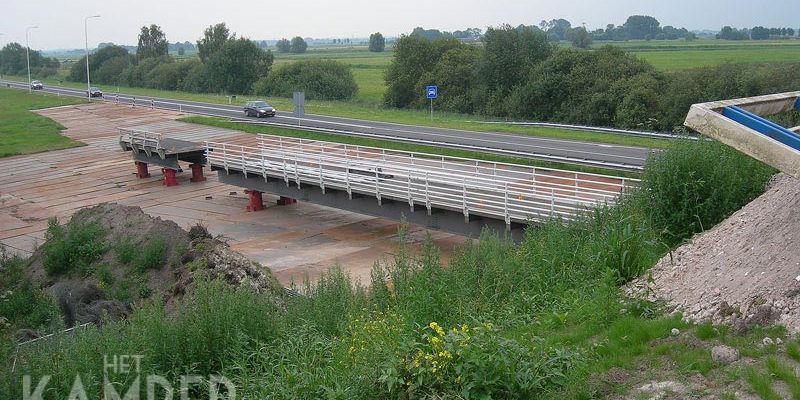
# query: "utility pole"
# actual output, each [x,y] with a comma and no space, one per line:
[86,38]
[28,55]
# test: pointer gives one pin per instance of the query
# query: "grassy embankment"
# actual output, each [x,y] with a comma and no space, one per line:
[372,111]
[24,132]
[541,319]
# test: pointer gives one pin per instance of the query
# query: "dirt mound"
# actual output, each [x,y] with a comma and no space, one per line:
[745,271]
[142,258]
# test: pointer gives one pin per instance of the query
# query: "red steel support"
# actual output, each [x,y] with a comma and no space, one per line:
[141,170]
[197,173]
[169,177]
[256,201]
[285,201]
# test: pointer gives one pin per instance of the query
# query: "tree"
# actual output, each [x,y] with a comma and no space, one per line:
[414,57]
[13,61]
[283,45]
[558,29]
[376,42]
[152,42]
[456,75]
[298,45]
[237,65]
[430,34]
[98,60]
[214,37]
[319,79]
[579,37]
[728,33]
[642,26]
[759,33]
[509,54]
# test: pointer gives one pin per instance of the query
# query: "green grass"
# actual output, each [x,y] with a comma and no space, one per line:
[761,384]
[370,109]
[536,319]
[680,54]
[675,60]
[786,374]
[24,132]
[387,144]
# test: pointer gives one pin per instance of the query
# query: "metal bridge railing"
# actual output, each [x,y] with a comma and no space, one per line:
[142,140]
[503,191]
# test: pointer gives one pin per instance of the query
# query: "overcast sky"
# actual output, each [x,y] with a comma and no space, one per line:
[61,22]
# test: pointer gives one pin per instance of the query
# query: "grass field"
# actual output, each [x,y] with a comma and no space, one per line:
[679,54]
[24,132]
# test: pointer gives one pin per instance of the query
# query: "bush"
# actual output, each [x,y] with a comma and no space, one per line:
[21,304]
[476,362]
[72,246]
[152,255]
[125,250]
[695,184]
[319,79]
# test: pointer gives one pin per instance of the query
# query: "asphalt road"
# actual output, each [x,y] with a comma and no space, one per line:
[569,151]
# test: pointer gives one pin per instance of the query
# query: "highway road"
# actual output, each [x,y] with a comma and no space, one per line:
[559,150]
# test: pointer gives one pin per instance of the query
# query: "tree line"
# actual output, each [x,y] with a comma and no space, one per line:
[521,73]
[225,64]
[756,33]
[13,61]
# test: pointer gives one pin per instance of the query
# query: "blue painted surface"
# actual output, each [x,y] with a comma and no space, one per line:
[432,92]
[763,126]
[797,103]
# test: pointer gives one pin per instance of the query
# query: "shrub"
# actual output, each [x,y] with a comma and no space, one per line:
[152,255]
[695,184]
[21,304]
[477,362]
[125,251]
[104,275]
[319,79]
[75,245]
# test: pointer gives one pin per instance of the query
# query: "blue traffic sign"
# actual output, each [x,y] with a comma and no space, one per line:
[432,92]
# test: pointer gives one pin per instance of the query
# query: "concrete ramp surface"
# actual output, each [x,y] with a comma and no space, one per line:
[740,123]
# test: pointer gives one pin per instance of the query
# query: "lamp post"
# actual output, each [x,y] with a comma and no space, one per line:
[86,37]
[28,56]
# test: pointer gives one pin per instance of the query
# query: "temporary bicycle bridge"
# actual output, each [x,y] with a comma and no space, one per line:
[455,194]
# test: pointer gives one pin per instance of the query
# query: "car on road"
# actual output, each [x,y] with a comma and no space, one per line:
[37,85]
[259,109]
[94,92]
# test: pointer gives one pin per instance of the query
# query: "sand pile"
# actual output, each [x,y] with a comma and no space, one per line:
[744,271]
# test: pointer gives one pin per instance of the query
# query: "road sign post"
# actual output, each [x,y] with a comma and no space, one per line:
[432,92]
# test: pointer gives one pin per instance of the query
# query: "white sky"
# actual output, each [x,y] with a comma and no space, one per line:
[61,21]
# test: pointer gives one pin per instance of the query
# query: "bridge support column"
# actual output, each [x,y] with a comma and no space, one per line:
[141,170]
[197,173]
[169,177]
[285,201]
[256,202]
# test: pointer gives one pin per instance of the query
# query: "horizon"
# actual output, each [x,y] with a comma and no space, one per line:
[61,27]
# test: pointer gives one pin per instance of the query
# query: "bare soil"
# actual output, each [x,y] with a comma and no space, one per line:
[745,271]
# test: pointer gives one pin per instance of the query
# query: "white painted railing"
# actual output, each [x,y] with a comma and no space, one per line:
[141,138]
[503,191]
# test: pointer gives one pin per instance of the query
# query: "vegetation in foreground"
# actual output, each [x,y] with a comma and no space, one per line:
[24,132]
[543,318]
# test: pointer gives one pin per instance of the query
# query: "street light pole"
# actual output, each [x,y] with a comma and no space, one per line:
[28,56]
[86,37]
